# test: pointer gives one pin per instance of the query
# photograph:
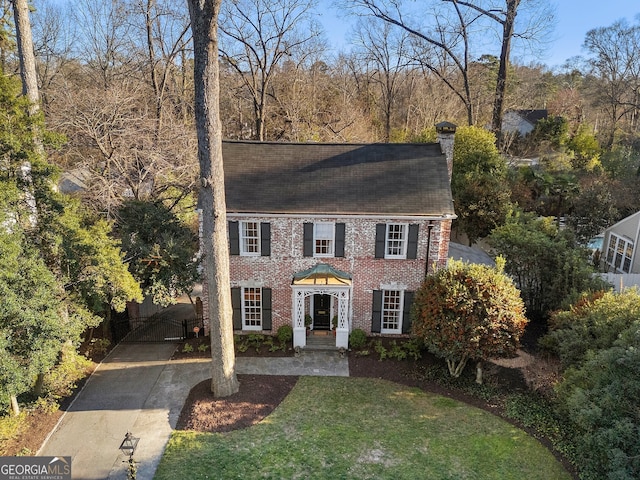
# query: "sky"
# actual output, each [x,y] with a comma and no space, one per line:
[574,19]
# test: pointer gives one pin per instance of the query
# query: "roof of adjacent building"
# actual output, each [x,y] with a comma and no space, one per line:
[532,116]
[350,179]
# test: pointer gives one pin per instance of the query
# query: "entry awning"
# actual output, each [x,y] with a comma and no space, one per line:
[321,274]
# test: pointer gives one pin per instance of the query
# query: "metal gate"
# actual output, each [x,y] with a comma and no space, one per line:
[155,329]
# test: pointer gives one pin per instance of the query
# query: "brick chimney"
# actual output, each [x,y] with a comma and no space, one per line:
[446,132]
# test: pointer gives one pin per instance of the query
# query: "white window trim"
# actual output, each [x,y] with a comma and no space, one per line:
[242,238]
[405,233]
[245,326]
[398,330]
[614,241]
[332,240]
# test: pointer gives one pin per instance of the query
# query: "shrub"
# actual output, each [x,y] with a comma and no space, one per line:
[285,334]
[357,338]
[62,379]
[598,340]
[593,323]
[601,399]
[413,348]
[468,311]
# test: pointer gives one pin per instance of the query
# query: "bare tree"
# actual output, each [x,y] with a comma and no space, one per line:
[167,36]
[468,15]
[506,18]
[54,38]
[615,67]
[204,25]
[105,40]
[385,51]
[446,45]
[257,35]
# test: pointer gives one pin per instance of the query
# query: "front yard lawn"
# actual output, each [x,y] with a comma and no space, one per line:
[360,428]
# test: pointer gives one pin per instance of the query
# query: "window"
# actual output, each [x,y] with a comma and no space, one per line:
[391,311]
[396,241]
[323,239]
[249,238]
[619,253]
[251,308]
[323,236]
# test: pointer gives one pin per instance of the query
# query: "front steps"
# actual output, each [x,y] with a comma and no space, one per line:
[321,340]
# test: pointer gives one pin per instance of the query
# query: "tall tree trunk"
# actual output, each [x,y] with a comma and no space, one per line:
[501,84]
[15,406]
[204,25]
[26,55]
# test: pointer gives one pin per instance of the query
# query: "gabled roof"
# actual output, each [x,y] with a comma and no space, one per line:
[532,116]
[351,179]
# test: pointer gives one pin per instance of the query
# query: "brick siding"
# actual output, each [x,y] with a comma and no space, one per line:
[368,273]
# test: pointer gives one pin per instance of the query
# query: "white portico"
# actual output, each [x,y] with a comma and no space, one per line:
[322,294]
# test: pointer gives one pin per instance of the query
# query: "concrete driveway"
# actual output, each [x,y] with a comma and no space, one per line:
[135,389]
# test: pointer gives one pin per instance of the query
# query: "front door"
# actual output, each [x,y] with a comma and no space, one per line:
[321,312]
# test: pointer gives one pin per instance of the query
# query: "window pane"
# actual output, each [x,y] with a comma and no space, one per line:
[627,257]
[250,237]
[252,310]
[391,310]
[396,239]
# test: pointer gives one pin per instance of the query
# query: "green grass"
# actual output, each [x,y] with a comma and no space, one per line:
[357,428]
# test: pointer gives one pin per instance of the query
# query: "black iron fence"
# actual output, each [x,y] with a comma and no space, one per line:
[155,329]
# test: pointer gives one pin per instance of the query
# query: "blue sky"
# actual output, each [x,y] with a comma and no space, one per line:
[574,19]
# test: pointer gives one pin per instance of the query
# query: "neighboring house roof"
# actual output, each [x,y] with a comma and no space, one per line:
[522,121]
[315,178]
[532,116]
[469,254]
[74,181]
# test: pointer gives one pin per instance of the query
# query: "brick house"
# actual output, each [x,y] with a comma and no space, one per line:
[338,235]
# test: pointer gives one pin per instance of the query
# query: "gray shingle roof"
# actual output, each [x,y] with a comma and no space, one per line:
[314,178]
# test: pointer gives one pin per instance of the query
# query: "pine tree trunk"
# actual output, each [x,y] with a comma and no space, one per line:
[479,372]
[26,55]
[15,407]
[204,18]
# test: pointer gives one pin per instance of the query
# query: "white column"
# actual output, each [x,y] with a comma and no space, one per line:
[342,330]
[299,329]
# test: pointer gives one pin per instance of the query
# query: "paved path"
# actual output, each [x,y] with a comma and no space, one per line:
[138,389]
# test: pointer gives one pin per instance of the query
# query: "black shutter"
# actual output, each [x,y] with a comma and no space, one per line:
[234,238]
[339,240]
[307,248]
[381,234]
[266,309]
[236,303]
[376,317]
[265,239]
[412,245]
[406,312]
